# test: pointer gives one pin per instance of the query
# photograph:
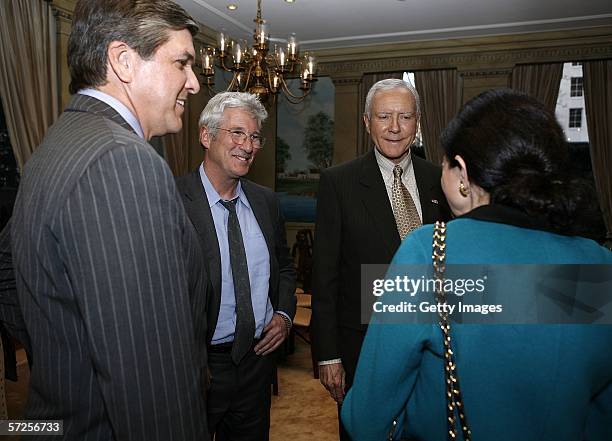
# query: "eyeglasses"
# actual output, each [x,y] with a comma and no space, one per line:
[239,137]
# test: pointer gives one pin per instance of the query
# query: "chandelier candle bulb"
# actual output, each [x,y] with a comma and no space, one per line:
[292,47]
[312,65]
[280,54]
[261,34]
[237,53]
[207,60]
[221,41]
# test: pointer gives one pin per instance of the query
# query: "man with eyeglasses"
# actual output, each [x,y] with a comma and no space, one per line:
[242,234]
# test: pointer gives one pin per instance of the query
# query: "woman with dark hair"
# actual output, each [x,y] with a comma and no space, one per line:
[504,178]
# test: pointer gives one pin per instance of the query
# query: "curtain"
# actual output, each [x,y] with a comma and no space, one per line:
[28,73]
[176,145]
[598,105]
[439,91]
[367,81]
[540,81]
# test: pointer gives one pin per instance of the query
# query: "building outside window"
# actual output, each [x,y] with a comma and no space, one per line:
[575,118]
[576,86]
[571,83]
[570,113]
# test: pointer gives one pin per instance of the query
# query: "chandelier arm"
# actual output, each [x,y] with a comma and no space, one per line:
[270,80]
[211,91]
[291,95]
[248,78]
[297,100]
[222,64]
[234,77]
[293,99]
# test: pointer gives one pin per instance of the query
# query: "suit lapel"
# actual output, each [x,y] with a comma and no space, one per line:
[427,185]
[376,201]
[199,212]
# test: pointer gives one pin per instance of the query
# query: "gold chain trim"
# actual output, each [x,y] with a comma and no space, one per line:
[454,398]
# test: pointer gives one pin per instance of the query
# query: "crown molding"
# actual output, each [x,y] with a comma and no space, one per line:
[346,81]
[494,52]
[485,73]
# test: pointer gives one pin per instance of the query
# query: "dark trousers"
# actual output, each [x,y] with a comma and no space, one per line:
[239,397]
[350,347]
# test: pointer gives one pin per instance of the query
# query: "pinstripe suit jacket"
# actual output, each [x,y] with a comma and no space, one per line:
[105,260]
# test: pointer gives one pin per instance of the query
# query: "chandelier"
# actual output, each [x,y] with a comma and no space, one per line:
[255,69]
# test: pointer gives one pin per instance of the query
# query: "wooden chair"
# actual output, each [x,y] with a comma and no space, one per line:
[301,326]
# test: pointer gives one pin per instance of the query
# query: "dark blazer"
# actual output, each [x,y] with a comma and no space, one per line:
[355,226]
[105,263]
[12,325]
[266,209]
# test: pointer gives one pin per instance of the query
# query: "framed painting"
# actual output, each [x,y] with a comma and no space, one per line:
[304,147]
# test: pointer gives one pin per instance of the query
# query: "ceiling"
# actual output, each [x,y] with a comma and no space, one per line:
[344,23]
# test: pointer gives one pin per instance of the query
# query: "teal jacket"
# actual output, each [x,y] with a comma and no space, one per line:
[519,382]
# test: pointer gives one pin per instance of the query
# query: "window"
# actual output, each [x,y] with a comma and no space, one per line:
[576,86]
[575,118]
[418,146]
[9,176]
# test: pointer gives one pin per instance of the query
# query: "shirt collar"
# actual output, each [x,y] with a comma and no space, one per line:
[121,109]
[213,196]
[387,166]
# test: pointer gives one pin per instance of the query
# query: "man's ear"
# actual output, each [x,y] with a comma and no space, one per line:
[122,60]
[366,121]
[205,137]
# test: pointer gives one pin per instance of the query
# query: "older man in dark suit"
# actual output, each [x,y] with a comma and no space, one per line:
[242,233]
[365,208]
[107,264]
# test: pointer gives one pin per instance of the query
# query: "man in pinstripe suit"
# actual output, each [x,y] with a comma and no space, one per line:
[108,266]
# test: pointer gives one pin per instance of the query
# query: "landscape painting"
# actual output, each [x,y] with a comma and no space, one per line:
[304,147]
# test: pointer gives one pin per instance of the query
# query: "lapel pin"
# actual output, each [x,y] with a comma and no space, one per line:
[434,201]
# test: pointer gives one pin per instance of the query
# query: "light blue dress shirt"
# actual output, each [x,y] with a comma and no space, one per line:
[258,263]
[118,106]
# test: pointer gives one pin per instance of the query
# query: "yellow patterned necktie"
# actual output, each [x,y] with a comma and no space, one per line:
[405,212]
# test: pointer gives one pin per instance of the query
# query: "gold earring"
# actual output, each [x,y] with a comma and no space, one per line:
[463,190]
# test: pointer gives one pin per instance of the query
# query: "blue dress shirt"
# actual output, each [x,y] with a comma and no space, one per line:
[258,263]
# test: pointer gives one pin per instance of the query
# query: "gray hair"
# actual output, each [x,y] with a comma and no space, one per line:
[390,84]
[212,114]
